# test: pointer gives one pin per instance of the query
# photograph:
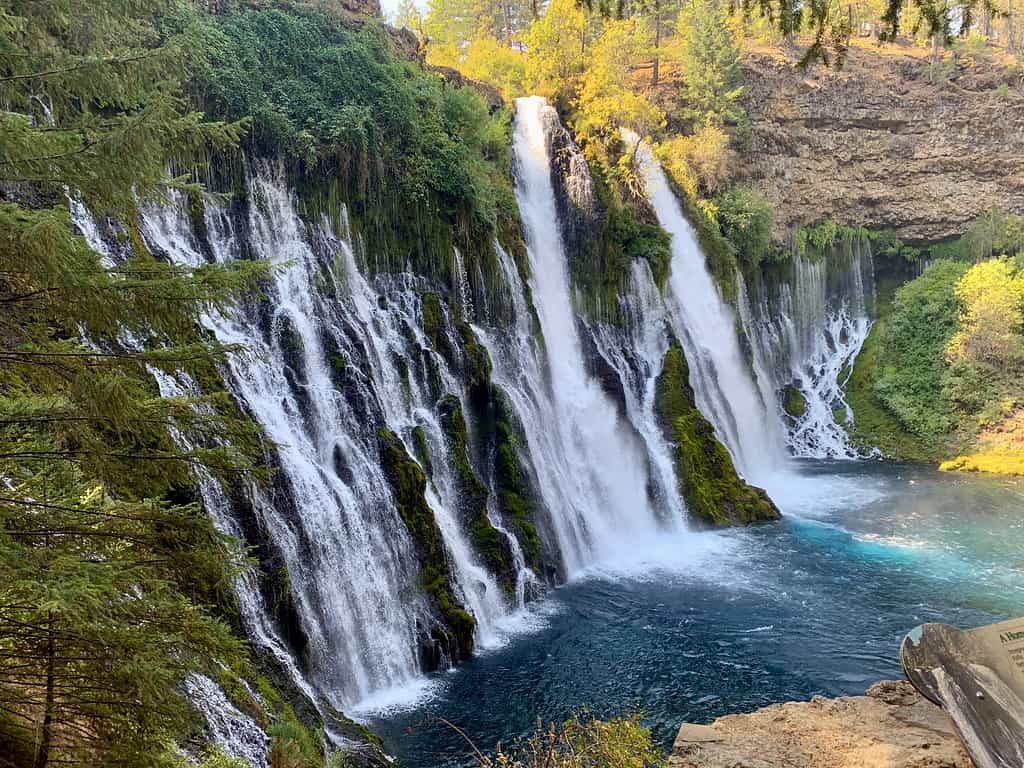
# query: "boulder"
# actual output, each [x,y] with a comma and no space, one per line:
[891,726]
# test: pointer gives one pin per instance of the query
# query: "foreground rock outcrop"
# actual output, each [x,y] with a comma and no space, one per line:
[890,142]
[891,726]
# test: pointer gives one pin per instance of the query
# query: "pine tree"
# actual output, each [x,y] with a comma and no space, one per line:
[106,568]
[710,57]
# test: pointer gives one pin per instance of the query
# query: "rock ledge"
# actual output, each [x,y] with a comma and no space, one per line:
[891,726]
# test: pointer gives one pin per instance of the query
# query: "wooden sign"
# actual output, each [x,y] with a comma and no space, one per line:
[977,676]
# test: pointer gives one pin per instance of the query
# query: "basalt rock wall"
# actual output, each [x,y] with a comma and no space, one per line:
[892,141]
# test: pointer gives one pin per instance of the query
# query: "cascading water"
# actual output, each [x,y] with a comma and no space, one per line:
[233,730]
[408,404]
[346,551]
[636,352]
[807,334]
[592,472]
[334,358]
[350,563]
[725,389]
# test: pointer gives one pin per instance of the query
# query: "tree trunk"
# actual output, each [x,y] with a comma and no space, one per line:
[657,41]
[46,735]
[1010,45]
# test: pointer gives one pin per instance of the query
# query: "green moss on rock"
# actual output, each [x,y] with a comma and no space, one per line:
[487,541]
[477,361]
[514,495]
[419,441]
[793,402]
[708,480]
[409,485]
[430,307]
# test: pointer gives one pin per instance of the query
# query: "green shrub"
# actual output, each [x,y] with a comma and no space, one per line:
[745,216]
[293,745]
[413,156]
[582,742]
[992,234]
[911,364]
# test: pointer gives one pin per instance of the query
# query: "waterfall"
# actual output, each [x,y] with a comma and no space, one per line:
[806,334]
[335,360]
[725,389]
[408,404]
[636,352]
[330,360]
[592,472]
[237,734]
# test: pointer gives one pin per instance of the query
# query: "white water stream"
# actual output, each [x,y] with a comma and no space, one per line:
[350,562]
[592,470]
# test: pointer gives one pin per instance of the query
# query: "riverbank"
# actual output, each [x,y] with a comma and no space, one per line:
[891,726]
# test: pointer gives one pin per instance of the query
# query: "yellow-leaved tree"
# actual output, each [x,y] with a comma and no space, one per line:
[992,295]
[490,60]
[558,44]
[607,102]
[700,164]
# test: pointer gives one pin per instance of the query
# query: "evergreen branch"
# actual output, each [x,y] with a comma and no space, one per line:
[24,296]
[86,145]
[110,355]
[77,510]
[77,67]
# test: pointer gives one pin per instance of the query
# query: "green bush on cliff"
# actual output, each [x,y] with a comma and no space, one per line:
[708,480]
[992,234]
[423,165]
[627,233]
[874,424]
[745,218]
[942,363]
[911,364]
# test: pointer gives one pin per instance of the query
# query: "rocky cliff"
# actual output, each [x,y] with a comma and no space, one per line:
[891,141]
[891,726]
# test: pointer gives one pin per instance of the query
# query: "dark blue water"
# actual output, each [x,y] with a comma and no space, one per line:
[701,625]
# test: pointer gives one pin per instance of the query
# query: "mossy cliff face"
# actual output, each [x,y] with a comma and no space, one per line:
[487,541]
[713,491]
[604,226]
[516,498]
[794,402]
[492,455]
[408,483]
